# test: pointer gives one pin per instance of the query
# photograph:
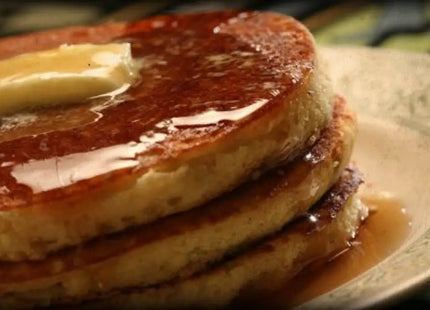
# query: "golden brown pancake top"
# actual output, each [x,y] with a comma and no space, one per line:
[204,77]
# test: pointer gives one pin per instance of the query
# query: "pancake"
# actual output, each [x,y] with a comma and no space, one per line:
[182,244]
[324,231]
[220,96]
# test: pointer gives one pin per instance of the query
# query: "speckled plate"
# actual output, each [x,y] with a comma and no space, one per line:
[390,92]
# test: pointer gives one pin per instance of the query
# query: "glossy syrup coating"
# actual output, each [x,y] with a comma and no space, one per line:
[203,77]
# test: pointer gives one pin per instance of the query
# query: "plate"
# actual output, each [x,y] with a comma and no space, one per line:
[390,91]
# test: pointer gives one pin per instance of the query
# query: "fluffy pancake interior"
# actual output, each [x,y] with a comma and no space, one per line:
[185,243]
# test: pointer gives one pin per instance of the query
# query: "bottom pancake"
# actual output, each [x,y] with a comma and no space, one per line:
[185,243]
[326,229]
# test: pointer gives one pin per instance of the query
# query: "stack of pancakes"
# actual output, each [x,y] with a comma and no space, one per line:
[222,169]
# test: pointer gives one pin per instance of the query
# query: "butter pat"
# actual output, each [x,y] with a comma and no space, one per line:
[68,74]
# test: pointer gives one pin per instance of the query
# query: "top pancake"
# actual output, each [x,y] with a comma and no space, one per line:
[219,95]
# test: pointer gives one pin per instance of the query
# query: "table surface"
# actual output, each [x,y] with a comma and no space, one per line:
[403,25]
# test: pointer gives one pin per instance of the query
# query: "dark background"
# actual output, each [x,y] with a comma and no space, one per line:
[394,24]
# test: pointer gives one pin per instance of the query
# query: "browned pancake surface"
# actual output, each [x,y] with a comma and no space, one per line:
[204,78]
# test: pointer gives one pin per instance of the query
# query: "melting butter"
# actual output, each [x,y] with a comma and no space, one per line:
[67,74]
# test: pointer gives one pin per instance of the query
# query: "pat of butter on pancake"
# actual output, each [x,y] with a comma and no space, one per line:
[67,74]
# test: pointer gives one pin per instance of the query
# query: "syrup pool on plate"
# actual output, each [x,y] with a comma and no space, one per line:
[380,235]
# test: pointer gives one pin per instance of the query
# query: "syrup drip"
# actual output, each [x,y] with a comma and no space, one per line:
[381,234]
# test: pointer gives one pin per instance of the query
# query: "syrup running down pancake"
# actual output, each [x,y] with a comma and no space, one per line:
[219,96]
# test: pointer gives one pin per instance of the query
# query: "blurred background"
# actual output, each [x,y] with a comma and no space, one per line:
[395,24]
[403,25]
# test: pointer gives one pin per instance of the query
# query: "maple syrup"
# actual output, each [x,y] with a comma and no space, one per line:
[202,76]
[381,234]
